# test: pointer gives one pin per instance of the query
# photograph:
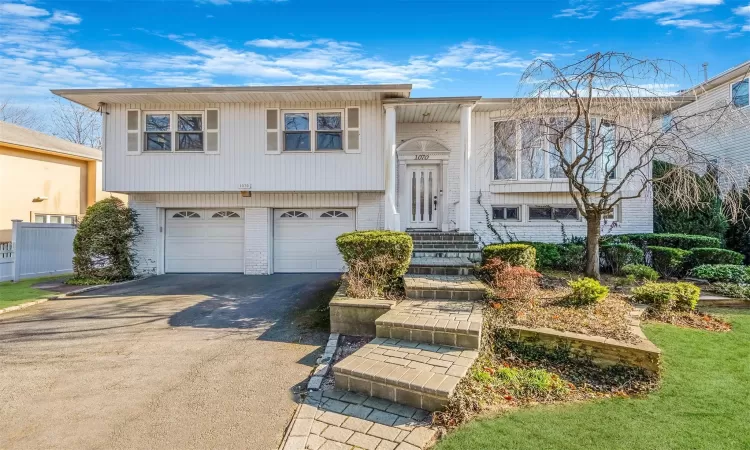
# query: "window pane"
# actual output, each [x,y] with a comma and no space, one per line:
[69,219]
[190,141]
[159,141]
[532,151]
[511,213]
[329,141]
[556,128]
[189,122]
[157,122]
[505,150]
[498,213]
[740,95]
[296,122]
[329,121]
[54,219]
[540,213]
[296,141]
[39,218]
[565,213]
[608,154]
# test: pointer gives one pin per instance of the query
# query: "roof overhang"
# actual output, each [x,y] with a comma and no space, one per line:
[91,98]
[429,109]
[659,104]
[724,77]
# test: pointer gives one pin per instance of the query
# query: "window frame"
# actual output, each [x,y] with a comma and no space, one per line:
[312,115]
[505,213]
[176,132]
[552,213]
[144,139]
[62,217]
[731,92]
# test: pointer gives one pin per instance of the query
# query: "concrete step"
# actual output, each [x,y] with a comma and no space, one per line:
[471,254]
[449,236]
[447,287]
[445,245]
[440,266]
[406,372]
[439,322]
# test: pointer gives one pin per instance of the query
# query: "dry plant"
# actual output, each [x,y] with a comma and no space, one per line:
[513,283]
[368,278]
[600,123]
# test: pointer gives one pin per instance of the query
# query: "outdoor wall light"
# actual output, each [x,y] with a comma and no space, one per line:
[38,199]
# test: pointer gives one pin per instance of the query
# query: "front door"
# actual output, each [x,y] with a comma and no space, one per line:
[422,184]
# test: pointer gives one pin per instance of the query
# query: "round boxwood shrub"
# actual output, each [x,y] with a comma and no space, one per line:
[681,241]
[640,272]
[587,291]
[669,262]
[367,245]
[617,256]
[707,255]
[727,273]
[515,254]
[103,246]
[668,296]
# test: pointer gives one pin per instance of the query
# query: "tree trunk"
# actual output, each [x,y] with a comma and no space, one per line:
[593,231]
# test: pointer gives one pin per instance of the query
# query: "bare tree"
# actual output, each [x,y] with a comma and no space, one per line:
[602,123]
[18,115]
[76,123]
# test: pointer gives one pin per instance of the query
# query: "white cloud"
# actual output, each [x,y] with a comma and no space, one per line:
[21,10]
[278,43]
[89,61]
[742,10]
[670,8]
[695,23]
[65,18]
[579,9]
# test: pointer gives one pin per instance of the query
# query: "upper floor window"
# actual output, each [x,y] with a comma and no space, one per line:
[190,132]
[528,151]
[158,134]
[170,131]
[299,127]
[741,93]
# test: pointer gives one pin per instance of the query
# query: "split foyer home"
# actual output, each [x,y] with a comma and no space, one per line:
[261,180]
[45,179]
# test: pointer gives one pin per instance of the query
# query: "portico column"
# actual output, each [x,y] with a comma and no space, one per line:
[464,205]
[392,219]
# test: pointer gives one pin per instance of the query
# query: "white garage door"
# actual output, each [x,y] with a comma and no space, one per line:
[305,239]
[204,240]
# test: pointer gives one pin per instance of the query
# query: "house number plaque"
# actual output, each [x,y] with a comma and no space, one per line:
[421,157]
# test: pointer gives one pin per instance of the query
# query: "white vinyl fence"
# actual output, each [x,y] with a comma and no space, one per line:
[37,249]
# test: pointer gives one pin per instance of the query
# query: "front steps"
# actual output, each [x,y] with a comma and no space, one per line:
[427,343]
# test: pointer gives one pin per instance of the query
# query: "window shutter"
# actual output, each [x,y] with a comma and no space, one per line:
[133,145]
[353,144]
[212,131]
[272,131]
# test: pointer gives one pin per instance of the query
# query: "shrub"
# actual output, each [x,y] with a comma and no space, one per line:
[616,256]
[668,296]
[511,282]
[721,272]
[572,257]
[732,290]
[547,255]
[669,262]
[681,241]
[370,278]
[587,291]
[709,255]
[640,272]
[514,254]
[103,246]
[366,245]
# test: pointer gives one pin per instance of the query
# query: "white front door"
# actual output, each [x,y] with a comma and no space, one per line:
[423,187]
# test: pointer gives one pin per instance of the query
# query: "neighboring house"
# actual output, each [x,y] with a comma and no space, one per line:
[260,180]
[45,179]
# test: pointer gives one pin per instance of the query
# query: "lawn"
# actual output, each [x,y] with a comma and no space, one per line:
[704,402]
[16,293]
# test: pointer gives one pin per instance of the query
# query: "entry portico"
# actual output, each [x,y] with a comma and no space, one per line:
[428,180]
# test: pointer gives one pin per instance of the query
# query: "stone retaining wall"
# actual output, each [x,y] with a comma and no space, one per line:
[356,316]
[601,350]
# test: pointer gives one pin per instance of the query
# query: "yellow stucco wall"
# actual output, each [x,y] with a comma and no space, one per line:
[70,185]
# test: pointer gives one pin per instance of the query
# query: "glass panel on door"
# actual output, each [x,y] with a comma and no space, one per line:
[423,201]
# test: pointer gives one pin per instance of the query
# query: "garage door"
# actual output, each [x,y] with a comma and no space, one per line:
[305,239]
[204,240]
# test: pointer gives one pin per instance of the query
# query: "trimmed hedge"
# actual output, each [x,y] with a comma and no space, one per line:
[668,296]
[617,256]
[729,273]
[640,272]
[515,254]
[547,255]
[572,257]
[669,262]
[681,241]
[366,245]
[709,255]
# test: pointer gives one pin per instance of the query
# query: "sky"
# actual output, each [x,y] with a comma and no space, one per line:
[443,48]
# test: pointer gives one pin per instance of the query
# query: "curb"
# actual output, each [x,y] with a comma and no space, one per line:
[22,305]
[324,363]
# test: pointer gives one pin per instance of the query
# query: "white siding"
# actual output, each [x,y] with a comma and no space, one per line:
[371,211]
[242,157]
[147,246]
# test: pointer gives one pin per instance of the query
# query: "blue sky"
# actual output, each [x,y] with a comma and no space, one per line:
[442,47]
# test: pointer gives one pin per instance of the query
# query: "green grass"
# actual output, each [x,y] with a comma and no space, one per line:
[704,403]
[21,292]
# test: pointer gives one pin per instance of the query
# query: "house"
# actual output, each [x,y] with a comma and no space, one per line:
[261,180]
[45,179]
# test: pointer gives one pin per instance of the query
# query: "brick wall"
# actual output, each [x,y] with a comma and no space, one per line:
[258,244]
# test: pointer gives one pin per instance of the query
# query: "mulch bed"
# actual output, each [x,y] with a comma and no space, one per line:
[686,319]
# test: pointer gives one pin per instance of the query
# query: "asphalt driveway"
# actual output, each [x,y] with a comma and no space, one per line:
[175,361]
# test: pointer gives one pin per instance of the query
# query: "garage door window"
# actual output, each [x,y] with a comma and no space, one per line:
[186,215]
[334,214]
[294,214]
[225,214]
